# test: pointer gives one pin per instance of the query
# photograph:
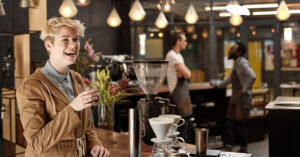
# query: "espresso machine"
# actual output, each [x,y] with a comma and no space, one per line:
[150,75]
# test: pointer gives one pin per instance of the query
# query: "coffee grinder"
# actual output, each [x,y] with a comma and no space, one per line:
[151,75]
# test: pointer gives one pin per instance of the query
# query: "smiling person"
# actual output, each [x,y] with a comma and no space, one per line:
[54,109]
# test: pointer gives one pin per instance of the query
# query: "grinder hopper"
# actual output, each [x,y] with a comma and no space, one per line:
[151,75]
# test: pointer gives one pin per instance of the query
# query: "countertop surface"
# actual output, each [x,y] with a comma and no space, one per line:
[284,103]
[136,91]
[118,145]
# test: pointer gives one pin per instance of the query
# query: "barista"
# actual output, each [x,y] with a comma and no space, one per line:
[177,76]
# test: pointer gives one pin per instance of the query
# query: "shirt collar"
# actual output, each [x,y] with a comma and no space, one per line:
[53,73]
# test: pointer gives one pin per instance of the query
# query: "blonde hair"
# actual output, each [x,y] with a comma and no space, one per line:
[49,31]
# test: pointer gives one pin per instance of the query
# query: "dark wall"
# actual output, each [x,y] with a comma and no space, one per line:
[105,39]
[16,19]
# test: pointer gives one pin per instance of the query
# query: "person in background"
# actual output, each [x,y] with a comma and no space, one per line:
[54,108]
[242,78]
[177,76]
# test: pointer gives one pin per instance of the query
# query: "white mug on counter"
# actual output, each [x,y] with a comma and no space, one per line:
[178,121]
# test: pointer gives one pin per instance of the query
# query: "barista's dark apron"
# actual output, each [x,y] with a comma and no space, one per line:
[181,97]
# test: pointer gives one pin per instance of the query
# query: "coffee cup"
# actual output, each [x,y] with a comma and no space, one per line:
[178,121]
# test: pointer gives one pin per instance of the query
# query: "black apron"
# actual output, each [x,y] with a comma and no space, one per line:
[181,97]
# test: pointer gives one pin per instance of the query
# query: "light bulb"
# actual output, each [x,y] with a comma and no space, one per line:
[82,3]
[67,9]
[161,20]
[219,32]
[205,34]
[114,19]
[137,12]
[236,19]
[166,5]
[191,15]
[282,12]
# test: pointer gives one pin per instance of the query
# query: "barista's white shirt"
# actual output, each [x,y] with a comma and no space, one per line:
[173,58]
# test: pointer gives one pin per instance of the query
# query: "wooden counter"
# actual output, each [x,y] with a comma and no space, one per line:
[137,91]
[118,144]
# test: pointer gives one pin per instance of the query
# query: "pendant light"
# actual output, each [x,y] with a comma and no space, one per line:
[191,15]
[2,11]
[137,12]
[114,19]
[282,12]
[161,20]
[236,19]
[166,5]
[82,3]
[26,4]
[67,9]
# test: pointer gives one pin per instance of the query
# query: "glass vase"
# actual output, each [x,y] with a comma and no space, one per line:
[106,116]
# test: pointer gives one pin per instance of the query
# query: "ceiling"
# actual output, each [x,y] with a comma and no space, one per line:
[181,7]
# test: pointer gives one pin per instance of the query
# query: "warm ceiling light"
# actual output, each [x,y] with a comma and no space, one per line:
[26,4]
[296,11]
[273,30]
[232,30]
[236,19]
[161,20]
[219,32]
[191,15]
[194,36]
[114,19]
[137,12]
[235,8]
[190,29]
[160,34]
[250,6]
[224,14]
[82,3]
[151,34]
[166,5]
[205,34]
[2,11]
[253,33]
[282,12]
[67,9]
[238,35]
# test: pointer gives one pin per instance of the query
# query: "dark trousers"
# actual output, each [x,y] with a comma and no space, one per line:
[236,130]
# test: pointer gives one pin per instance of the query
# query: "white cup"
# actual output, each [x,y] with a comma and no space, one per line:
[178,121]
[161,126]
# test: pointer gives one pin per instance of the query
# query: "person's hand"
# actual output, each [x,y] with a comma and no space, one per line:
[212,84]
[85,99]
[179,74]
[99,151]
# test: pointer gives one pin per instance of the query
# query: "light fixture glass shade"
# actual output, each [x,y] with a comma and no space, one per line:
[137,12]
[191,15]
[282,12]
[235,19]
[166,5]
[161,20]
[67,9]
[114,19]
[2,11]
[82,3]
[26,4]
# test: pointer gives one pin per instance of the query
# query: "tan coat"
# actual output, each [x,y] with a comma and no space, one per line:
[50,125]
